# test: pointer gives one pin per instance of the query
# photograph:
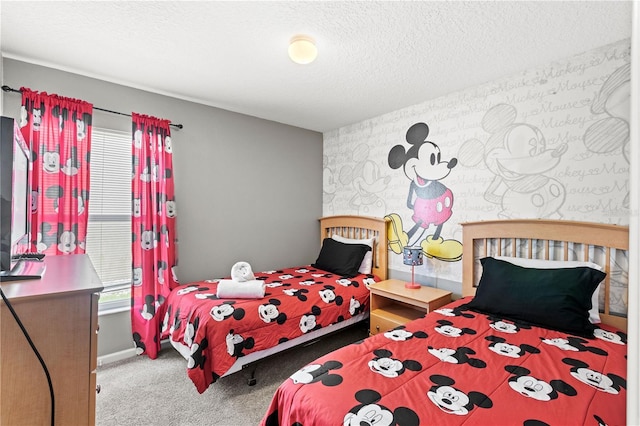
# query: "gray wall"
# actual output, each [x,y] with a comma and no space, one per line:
[246,188]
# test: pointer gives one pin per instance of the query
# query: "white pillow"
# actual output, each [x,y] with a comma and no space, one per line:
[365,266]
[594,312]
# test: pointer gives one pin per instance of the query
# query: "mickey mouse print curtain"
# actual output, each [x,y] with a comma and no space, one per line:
[58,131]
[153,229]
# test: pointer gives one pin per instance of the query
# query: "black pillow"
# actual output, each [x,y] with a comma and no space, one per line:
[340,258]
[559,299]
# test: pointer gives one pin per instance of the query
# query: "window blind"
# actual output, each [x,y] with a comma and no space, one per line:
[108,241]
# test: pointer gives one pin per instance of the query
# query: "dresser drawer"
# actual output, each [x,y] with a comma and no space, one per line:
[382,320]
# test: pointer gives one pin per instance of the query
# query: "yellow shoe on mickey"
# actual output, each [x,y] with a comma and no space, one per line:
[397,238]
[441,249]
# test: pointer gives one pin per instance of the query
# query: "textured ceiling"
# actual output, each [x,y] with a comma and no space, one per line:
[374,57]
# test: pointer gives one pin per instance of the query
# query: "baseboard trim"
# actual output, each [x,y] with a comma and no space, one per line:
[116,356]
[125,354]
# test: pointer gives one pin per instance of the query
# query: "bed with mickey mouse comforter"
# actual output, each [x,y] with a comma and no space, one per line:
[212,333]
[458,366]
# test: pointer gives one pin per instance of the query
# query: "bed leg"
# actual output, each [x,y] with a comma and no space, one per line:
[252,380]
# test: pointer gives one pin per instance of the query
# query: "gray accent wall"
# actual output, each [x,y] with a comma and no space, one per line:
[246,188]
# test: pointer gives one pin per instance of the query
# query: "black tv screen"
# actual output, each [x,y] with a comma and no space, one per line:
[15,195]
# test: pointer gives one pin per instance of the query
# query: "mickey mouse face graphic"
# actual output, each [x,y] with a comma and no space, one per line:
[389,367]
[190,331]
[504,327]
[370,413]
[423,172]
[148,240]
[446,328]
[368,281]
[502,347]
[328,295]
[560,343]
[450,400]
[171,208]
[67,242]
[165,320]
[51,162]
[354,306]
[308,321]
[443,354]
[505,349]
[187,290]
[80,129]
[221,312]
[447,312]
[343,282]
[70,167]
[226,310]
[136,206]
[300,294]
[457,356]
[610,383]
[196,356]
[574,344]
[401,335]
[595,379]
[269,312]
[203,296]
[532,387]
[168,145]
[318,373]
[137,276]
[137,138]
[454,401]
[236,344]
[618,338]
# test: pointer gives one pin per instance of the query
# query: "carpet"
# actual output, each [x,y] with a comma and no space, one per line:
[141,391]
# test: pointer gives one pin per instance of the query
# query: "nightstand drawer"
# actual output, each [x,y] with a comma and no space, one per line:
[382,320]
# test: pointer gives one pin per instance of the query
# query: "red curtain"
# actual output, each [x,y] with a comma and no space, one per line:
[58,131]
[153,229]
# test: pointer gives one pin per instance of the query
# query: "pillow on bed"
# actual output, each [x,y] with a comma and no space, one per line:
[594,312]
[340,258]
[366,265]
[559,299]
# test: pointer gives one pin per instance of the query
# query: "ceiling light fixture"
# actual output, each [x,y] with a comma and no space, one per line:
[302,49]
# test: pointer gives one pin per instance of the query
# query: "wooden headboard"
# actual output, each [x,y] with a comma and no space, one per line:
[361,227]
[603,244]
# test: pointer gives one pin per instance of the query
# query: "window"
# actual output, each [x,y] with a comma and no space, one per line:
[109,229]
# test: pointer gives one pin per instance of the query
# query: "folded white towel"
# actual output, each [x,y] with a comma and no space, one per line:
[241,272]
[230,289]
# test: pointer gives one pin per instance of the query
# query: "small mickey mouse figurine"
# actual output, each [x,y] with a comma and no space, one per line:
[430,200]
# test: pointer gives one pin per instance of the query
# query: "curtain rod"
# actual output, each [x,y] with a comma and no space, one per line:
[10,89]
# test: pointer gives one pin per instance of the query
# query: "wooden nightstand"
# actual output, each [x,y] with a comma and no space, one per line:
[392,304]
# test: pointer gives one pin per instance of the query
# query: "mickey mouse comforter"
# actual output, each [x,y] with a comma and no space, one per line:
[216,332]
[457,367]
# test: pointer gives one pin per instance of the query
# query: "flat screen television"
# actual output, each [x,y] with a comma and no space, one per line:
[15,204]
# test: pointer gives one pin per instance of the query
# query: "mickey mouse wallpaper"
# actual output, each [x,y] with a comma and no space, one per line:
[429,200]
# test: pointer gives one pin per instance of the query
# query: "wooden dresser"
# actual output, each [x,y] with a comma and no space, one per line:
[60,313]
